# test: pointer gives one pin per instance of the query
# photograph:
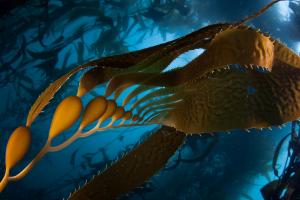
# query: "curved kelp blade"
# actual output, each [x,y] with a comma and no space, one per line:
[276,154]
[222,51]
[119,61]
[286,55]
[48,94]
[134,168]
[153,59]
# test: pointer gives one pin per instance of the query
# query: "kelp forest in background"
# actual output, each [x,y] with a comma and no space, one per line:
[41,40]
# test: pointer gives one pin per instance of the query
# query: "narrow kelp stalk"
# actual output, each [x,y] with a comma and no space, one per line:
[206,95]
[287,184]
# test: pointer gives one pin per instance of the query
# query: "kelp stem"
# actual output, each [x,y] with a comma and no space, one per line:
[264,9]
[25,171]
[66,143]
[4,180]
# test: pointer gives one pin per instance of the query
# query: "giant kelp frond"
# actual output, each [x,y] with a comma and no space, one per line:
[174,98]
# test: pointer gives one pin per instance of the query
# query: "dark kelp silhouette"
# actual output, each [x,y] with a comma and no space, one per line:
[181,105]
[287,186]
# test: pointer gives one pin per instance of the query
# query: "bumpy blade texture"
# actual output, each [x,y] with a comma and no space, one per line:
[133,169]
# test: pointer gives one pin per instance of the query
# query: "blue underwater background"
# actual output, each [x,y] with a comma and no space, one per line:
[41,40]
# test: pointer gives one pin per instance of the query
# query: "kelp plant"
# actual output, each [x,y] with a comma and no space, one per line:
[244,79]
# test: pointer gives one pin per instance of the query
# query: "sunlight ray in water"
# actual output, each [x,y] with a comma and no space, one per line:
[284,11]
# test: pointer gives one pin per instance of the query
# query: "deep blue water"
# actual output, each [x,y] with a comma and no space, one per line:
[41,42]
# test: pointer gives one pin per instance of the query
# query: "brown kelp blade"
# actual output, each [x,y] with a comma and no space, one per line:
[119,61]
[48,94]
[133,169]
[135,93]
[223,50]
[156,105]
[153,96]
[116,65]
[153,59]
[286,55]
[95,77]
